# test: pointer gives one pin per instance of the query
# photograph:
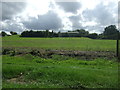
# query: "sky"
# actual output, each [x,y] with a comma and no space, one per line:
[58,15]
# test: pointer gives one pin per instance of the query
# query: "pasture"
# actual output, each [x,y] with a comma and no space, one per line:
[82,44]
[58,72]
[75,63]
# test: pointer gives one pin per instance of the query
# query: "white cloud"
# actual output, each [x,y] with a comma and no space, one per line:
[11,25]
[102,15]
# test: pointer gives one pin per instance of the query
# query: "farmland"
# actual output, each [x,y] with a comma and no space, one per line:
[59,63]
[35,72]
[82,44]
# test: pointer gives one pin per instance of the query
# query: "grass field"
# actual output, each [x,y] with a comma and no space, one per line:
[34,72]
[26,70]
[82,44]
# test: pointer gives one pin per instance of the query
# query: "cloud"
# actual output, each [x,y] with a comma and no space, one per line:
[11,25]
[11,9]
[75,21]
[59,13]
[102,14]
[71,7]
[95,29]
[48,21]
[119,15]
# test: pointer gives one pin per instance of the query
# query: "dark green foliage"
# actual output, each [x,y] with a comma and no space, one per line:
[13,33]
[10,52]
[82,32]
[47,33]
[3,34]
[93,35]
[110,32]
[38,34]
[34,52]
[76,33]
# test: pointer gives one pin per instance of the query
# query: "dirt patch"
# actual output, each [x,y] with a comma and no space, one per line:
[48,53]
[18,80]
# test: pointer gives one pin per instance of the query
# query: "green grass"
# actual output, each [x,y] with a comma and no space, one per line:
[83,44]
[27,71]
[58,72]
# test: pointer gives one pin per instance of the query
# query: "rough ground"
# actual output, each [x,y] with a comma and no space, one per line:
[48,53]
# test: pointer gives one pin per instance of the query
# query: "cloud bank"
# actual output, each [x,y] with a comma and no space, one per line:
[47,21]
[68,14]
[11,9]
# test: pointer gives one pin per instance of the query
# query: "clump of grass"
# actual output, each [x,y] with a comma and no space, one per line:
[12,71]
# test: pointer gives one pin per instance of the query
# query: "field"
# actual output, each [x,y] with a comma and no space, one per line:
[35,72]
[59,63]
[82,44]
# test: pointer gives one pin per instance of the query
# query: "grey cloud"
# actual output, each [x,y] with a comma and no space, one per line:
[119,15]
[11,25]
[95,29]
[75,21]
[101,14]
[78,25]
[10,9]
[70,6]
[49,21]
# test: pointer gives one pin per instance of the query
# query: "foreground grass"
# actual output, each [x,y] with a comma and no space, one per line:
[58,72]
[83,44]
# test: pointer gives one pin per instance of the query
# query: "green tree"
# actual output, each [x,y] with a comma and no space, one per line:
[13,33]
[3,34]
[93,35]
[59,34]
[110,32]
[82,32]
[47,33]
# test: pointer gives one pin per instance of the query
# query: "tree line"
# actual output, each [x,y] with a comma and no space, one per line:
[110,32]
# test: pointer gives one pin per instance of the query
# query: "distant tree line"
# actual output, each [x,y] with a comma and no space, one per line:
[110,32]
[75,33]
[38,34]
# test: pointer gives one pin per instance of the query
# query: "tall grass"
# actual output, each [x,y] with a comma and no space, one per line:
[57,73]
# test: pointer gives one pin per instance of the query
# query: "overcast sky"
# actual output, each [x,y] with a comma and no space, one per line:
[91,15]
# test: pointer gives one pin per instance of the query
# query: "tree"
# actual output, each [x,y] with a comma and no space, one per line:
[52,33]
[82,32]
[110,32]
[13,33]
[93,35]
[59,33]
[3,34]
[47,33]
[101,36]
